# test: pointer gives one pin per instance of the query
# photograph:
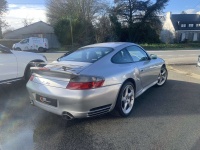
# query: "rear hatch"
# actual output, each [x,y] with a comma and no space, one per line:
[57,74]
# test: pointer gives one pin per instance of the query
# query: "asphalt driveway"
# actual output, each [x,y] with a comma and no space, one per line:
[163,118]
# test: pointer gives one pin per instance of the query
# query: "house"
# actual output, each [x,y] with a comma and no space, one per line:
[181,27]
[38,29]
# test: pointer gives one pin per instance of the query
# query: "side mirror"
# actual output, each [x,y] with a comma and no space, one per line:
[152,56]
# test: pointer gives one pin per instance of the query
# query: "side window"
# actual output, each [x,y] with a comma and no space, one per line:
[122,57]
[24,41]
[137,53]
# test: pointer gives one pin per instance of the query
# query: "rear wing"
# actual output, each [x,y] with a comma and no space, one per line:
[39,69]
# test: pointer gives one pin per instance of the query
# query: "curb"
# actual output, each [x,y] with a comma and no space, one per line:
[193,75]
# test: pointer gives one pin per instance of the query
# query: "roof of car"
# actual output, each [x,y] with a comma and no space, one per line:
[109,44]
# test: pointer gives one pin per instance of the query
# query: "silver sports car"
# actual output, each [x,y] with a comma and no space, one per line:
[96,79]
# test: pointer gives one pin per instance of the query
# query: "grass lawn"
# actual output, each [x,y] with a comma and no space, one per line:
[180,46]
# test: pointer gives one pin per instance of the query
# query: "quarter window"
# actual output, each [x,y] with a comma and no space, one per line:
[122,57]
[137,53]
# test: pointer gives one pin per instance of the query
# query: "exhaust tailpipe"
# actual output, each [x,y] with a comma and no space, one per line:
[31,102]
[67,116]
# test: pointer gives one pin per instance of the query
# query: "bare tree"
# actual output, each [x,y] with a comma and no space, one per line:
[3,9]
[7,30]
[74,9]
[27,22]
[81,16]
[103,29]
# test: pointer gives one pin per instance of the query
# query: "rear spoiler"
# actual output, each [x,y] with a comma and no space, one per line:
[40,69]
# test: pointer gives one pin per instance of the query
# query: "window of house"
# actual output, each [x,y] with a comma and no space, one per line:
[183,25]
[191,25]
[197,25]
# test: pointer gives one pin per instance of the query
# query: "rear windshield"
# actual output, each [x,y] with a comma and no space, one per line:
[90,54]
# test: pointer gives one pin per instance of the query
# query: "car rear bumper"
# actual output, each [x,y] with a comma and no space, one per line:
[78,103]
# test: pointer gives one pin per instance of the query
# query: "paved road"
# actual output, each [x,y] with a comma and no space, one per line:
[171,57]
[163,118]
[178,56]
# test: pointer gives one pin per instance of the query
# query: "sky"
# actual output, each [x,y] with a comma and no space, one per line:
[34,10]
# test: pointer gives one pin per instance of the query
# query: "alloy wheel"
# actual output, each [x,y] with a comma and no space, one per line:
[127,99]
[162,76]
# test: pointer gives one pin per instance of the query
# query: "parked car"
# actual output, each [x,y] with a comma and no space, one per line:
[32,43]
[16,65]
[96,79]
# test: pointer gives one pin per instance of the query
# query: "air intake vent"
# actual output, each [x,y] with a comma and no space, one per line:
[99,110]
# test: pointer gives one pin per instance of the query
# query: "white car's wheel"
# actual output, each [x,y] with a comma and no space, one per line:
[126,99]
[162,77]
[28,72]
[18,49]
[40,49]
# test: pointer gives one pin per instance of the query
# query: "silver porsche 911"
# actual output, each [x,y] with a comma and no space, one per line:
[96,79]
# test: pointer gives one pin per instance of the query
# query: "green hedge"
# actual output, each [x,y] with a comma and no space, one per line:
[180,46]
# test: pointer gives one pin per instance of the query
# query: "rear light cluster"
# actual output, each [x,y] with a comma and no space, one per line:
[31,78]
[43,68]
[85,83]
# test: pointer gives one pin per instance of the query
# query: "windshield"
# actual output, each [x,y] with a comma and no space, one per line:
[90,54]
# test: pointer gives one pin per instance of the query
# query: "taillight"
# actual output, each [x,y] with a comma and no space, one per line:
[31,78]
[43,68]
[85,83]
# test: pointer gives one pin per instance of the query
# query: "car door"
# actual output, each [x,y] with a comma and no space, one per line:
[126,66]
[8,64]
[24,44]
[147,66]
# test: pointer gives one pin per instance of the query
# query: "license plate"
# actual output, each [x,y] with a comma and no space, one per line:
[45,100]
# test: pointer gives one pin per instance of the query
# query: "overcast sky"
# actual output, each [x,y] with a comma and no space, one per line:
[36,11]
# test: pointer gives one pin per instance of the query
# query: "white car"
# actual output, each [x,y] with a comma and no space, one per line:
[16,65]
[32,43]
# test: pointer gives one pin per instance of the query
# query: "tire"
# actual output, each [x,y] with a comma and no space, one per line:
[28,73]
[125,99]
[40,49]
[18,49]
[162,77]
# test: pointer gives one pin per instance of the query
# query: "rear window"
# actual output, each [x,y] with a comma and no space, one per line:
[90,54]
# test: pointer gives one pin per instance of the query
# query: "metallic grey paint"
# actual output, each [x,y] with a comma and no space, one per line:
[144,74]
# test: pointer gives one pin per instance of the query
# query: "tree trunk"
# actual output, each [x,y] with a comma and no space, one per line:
[1,35]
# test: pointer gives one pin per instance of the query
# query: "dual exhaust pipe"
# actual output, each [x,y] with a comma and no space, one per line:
[67,116]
